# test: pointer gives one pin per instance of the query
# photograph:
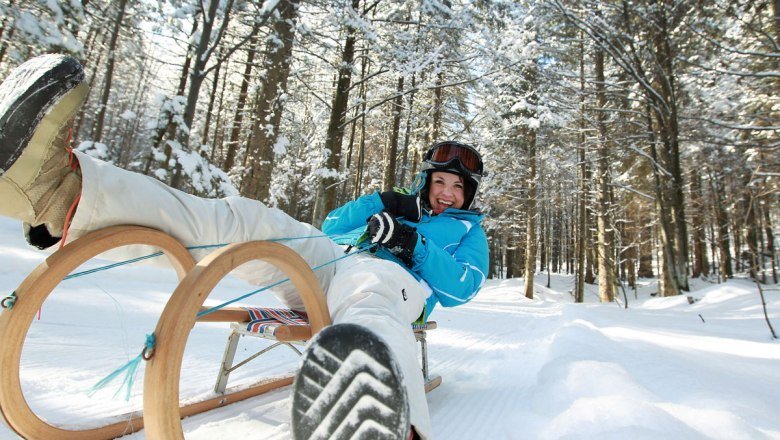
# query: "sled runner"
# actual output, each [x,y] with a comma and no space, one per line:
[161,409]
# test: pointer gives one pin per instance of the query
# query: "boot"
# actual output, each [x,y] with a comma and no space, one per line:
[39,177]
[349,387]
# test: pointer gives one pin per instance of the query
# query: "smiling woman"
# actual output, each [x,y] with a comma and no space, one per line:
[456,158]
[446,191]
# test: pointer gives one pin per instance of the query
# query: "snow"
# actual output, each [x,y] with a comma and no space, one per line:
[24,78]
[94,149]
[512,368]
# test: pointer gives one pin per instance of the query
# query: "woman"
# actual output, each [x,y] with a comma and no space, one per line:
[359,375]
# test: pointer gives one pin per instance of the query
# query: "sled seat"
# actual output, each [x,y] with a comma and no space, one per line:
[290,328]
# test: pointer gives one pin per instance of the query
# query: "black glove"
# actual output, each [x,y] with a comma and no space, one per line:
[398,238]
[402,205]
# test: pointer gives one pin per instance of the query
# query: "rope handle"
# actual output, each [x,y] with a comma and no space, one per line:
[129,370]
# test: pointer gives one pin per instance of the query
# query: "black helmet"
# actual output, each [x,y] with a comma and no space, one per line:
[457,158]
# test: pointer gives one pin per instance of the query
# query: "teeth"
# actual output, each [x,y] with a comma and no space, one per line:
[445,202]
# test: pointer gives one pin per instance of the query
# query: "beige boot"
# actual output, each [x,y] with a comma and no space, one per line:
[39,178]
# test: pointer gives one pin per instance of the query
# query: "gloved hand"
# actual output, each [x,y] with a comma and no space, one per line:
[398,238]
[402,205]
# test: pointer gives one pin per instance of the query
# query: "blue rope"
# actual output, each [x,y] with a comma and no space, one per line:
[157,254]
[270,286]
[130,369]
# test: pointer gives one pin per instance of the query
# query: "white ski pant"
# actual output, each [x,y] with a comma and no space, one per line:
[361,289]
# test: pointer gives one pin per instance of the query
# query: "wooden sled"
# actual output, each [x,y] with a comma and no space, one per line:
[162,413]
[162,418]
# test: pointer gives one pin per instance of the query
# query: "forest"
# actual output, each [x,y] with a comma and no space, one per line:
[624,139]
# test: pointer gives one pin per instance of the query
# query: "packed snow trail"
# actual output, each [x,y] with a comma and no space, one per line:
[512,368]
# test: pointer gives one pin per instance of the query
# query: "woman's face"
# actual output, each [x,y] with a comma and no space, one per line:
[446,191]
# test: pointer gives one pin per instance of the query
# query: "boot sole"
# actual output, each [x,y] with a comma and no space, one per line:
[30,123]
[349,387]
[25,97]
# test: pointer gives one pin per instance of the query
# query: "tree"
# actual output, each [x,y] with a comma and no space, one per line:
[97,134]
[265,141]
[604,226]
[327,188]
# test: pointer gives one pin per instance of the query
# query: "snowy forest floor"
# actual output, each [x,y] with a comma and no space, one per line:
[512,368]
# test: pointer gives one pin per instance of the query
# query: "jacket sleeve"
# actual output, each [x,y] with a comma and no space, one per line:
[455,279]
[352,215]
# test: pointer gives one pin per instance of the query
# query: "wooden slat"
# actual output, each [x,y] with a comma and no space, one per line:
[431,325]
[290,333]
[227,314]
[432,383]
[257,389]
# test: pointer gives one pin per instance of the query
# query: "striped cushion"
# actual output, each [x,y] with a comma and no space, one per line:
[417,326]
[266,319]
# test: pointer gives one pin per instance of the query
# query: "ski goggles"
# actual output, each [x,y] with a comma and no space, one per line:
[444,153]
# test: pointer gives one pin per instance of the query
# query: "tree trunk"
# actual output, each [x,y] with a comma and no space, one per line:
[556,239]
[670,286]
[700,263]
[205,48]
[268,115]
[241,109]
[408,134]
[605,245]
[770,241]
[750,227]
[438,105]
[169,127]
[97,134]
[204,137]
[722,220]
[645,253]
[510,258]
[541,242]
[8,27]
[669,130]
[776,14]
[216,150]
[391,152]
[327,188]
[127,140]
[358,185]
[82,113]
[582,228]
[530,243]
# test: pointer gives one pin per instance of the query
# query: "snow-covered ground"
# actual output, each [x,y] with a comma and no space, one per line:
[513,368]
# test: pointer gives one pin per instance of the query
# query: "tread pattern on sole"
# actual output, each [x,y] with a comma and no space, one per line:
[349,387]
[27,94]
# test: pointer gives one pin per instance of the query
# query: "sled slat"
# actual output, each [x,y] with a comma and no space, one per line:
[227,314]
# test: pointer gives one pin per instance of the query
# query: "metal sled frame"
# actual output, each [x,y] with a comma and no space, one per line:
[287,335]
[162,413]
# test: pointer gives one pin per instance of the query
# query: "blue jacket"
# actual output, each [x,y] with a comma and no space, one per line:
[453,258]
